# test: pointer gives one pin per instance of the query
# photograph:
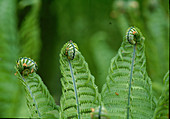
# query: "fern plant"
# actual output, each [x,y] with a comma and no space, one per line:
[127,92]
[79,93]
[39,100]
[128,89]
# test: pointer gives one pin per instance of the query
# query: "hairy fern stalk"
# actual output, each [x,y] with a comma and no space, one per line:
[128,90]
[39,100]
[79,93]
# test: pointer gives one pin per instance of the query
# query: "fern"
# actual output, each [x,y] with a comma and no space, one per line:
[158,44]
[9,90]
[39,100]
[79,93]
[128,90]
[162,107]
[29,33]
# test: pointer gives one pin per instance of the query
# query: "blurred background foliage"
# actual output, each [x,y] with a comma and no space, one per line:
[39,28]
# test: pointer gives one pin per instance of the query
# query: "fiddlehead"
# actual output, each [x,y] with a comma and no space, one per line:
[80,94]
[39,100]
[26,66]
[128,90]
[133,35]
[71,50]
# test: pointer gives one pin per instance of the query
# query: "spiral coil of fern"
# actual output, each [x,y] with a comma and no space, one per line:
[133,35]
[26,65]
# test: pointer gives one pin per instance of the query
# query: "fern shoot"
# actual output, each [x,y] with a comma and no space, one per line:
[128,90]
[79,93]
[39,100]
[162,106]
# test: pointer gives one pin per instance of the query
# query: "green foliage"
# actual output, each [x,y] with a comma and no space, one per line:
[39,28]
[29,33]
[39,100]
[79,93]
[162,106]
[9,95]
[128,89]
[158,43]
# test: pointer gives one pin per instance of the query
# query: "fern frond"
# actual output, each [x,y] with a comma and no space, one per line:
[158,45]
[39,100]
[128,90]
[79,93]
[9,90]
[162,106]
[29,33]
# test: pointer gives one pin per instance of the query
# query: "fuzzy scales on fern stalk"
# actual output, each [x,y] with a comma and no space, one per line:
[127,93]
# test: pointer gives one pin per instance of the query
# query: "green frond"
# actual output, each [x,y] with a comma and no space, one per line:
[79,93]
[9,90]
[128,90]
[158,45]
[162,106]
[39,100]
[29,33]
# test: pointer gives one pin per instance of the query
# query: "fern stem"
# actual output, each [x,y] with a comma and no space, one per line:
[75,88]
[32,97]
[131,73]
[100,108]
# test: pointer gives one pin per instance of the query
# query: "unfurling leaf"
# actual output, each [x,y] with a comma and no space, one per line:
[79,93]
[39,100]
[128,90]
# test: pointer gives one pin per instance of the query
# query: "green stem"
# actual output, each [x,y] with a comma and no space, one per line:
[75,88]
[131,73]
[100,108]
